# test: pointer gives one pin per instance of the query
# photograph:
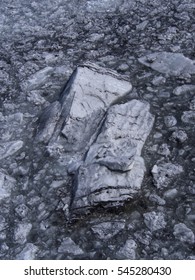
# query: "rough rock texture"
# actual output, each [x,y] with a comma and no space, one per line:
[113,169]
[82,105]
[107,230]
[164,173]
[128,251]
[41,44]
[172,64]
[183,233]
[7,184]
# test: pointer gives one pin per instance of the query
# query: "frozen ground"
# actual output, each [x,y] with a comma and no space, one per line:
[152,43]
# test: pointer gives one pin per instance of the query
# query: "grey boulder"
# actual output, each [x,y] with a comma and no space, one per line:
[113,169]
[172,64]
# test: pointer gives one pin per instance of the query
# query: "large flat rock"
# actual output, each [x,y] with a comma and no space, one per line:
[81,107]
[113,170]
[172,64]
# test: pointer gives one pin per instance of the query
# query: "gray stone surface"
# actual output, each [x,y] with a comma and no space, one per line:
[188,117]
[184,89]
[154,221]
[82,105]
[107,230]
[164,173]
[172,64]
[28,253]
[21,232]
[183,233]
[68,246]
[9,148]
[170,121]
[113,169]
[41,44]
[128,251]
[7,184]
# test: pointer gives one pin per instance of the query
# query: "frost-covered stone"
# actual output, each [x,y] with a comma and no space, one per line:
[107,230]
[188,117]
[21,232]
[183,233]
[9,148]
[164,173]
[128,251]
[68,246]
[172,64]
[7,184]
[154,221]
[28,253]
[113,169]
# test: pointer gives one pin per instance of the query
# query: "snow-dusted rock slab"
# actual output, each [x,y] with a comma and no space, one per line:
[113,169]
[172,64]
[81,107]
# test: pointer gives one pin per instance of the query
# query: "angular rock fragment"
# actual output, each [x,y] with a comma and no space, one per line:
[172,64]
[154,221]
[93,90]
[128,251]
[7,184]
[68,246]
[183,233]
[188,117]
[113,169]
[179,136]
[164,173]
[184,89]
[9,148]
[21,232]
[28,253]
[82,106]
[170,121]
[39,78]
[107,230]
